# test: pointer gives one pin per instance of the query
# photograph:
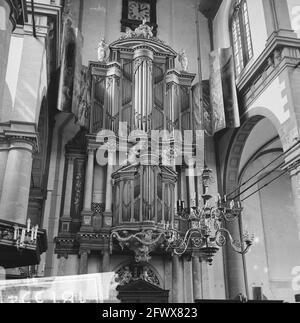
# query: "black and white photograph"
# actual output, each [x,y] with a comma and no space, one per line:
[149,154]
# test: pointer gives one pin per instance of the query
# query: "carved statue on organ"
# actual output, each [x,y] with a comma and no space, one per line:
[103,51]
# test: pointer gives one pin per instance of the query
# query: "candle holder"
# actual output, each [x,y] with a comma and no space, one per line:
[24,237]
[207,225]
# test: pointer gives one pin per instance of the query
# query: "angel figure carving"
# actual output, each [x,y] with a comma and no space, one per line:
[129,33]
[183,60]
[144,30]
[103,51]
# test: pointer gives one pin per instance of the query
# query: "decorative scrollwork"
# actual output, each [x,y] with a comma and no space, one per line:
[132,273]
[141,242]
[206,231]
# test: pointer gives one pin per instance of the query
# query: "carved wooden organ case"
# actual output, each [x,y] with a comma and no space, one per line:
[139,86]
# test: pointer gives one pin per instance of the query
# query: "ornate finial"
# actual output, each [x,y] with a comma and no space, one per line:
[103,51]
[183,60]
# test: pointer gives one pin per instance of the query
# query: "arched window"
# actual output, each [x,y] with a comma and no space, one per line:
[241,35]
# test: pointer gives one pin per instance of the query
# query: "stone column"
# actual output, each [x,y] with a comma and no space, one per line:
[205,280]
[109,186]
[235,274]
[4,149]
[197,283]
[295,181]
[15,196]
[83,264]
[143,60]
[106,261]
[69,185]
[89,177]
[177,279]
[6,27]
[88,192]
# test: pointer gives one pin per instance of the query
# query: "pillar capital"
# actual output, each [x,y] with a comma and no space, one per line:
[91,151]
[20,139]
[84,252]
[70,158]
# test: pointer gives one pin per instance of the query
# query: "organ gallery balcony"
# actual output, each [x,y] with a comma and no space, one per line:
[21,245]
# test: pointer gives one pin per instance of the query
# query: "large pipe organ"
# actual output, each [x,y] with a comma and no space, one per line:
[139,87]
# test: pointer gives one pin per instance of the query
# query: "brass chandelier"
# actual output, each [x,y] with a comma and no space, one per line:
[206,233]
[207,225]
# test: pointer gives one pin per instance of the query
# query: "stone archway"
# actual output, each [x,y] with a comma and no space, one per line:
[235,264]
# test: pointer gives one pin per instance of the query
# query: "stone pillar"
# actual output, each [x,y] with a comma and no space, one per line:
[108,197]
[6,27]
[86,224]
[89,177]
[69,185]
[143,60]
[277,18]
[197,282]
[205,280]
[106,261]
[15,196]
[295,181]
[83,263]
[4,149]
[177,279]
[235,274]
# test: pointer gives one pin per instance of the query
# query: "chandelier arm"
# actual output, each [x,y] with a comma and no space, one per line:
[236,245]
[180,253]
[184,243]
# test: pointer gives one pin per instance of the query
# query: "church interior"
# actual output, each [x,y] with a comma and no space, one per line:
[157,141]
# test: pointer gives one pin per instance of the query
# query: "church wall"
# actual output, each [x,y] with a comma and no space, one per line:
[270,214]
[279,102]
[257,27]
[176,26]
[276,98]
[294,92]
[294,10]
